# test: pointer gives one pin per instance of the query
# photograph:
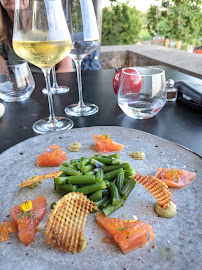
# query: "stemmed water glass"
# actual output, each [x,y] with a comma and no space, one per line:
[55,88]
[41,36]
[80,16]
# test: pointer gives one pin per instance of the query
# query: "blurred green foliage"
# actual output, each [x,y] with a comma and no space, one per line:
[121,24]
[144,33]
[179,20]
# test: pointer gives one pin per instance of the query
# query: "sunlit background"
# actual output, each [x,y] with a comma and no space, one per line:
[142,5]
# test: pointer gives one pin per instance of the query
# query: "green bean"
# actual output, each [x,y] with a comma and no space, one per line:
[83,180]
[100,174]
[90,173]
[65,188]
[61,180]
[69,171]
[128,187]
[112,174]
[104,160]
[105,192]
[116,155]
[87,168]
[116,166]
[94,161]
[129,172]
[92,188]
[52,205]
[82,175]
[115,161]
[109,209]
[115,194]
[63,175]
[120,181]
[66,164]
[104,202]
[79,165]
[107,183]
[98,203]
[96,196]
[126,179]
[74,167]
[83,162]
[75,160]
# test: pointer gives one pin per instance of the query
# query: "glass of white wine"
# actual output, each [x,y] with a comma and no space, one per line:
[41,36]
[81,19]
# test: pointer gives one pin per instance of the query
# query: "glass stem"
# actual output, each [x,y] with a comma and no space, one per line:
[52,118]
[55,85]
[78,70]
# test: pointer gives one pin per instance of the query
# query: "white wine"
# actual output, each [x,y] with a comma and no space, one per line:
[43,54]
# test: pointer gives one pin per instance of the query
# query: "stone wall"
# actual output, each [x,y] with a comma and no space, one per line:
[149,54]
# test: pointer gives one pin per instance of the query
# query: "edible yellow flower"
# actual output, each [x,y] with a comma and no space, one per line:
[27,206]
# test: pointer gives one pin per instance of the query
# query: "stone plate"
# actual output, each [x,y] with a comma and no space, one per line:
[177,244]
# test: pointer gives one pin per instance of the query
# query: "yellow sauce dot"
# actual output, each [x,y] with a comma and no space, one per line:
[74,147]
[166,213]
[139,155]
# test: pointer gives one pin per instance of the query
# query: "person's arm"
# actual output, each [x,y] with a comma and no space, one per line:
[65,65]
[4,69]
[1,58]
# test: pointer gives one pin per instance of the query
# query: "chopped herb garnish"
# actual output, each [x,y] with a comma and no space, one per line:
[123,228]
[107,136]
[50,150]
[25,214]
[173,172]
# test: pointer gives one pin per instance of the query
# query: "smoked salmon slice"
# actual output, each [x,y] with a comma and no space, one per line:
[104,143]
[53,156]
[26,222]
[128,234]
[175,178]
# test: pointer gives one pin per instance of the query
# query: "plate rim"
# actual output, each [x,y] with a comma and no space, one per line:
[91,127]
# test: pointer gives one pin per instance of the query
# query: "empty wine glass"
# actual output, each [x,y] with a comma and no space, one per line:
[41,36]
[80,16]
[55,88]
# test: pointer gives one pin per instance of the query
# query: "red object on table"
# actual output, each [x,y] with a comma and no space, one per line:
[135,82]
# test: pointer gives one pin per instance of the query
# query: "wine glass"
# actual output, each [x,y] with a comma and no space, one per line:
[55,88]
[80,16]
[41,36]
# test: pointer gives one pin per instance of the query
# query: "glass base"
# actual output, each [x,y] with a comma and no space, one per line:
[44,126]
[56,90]
[86,110]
